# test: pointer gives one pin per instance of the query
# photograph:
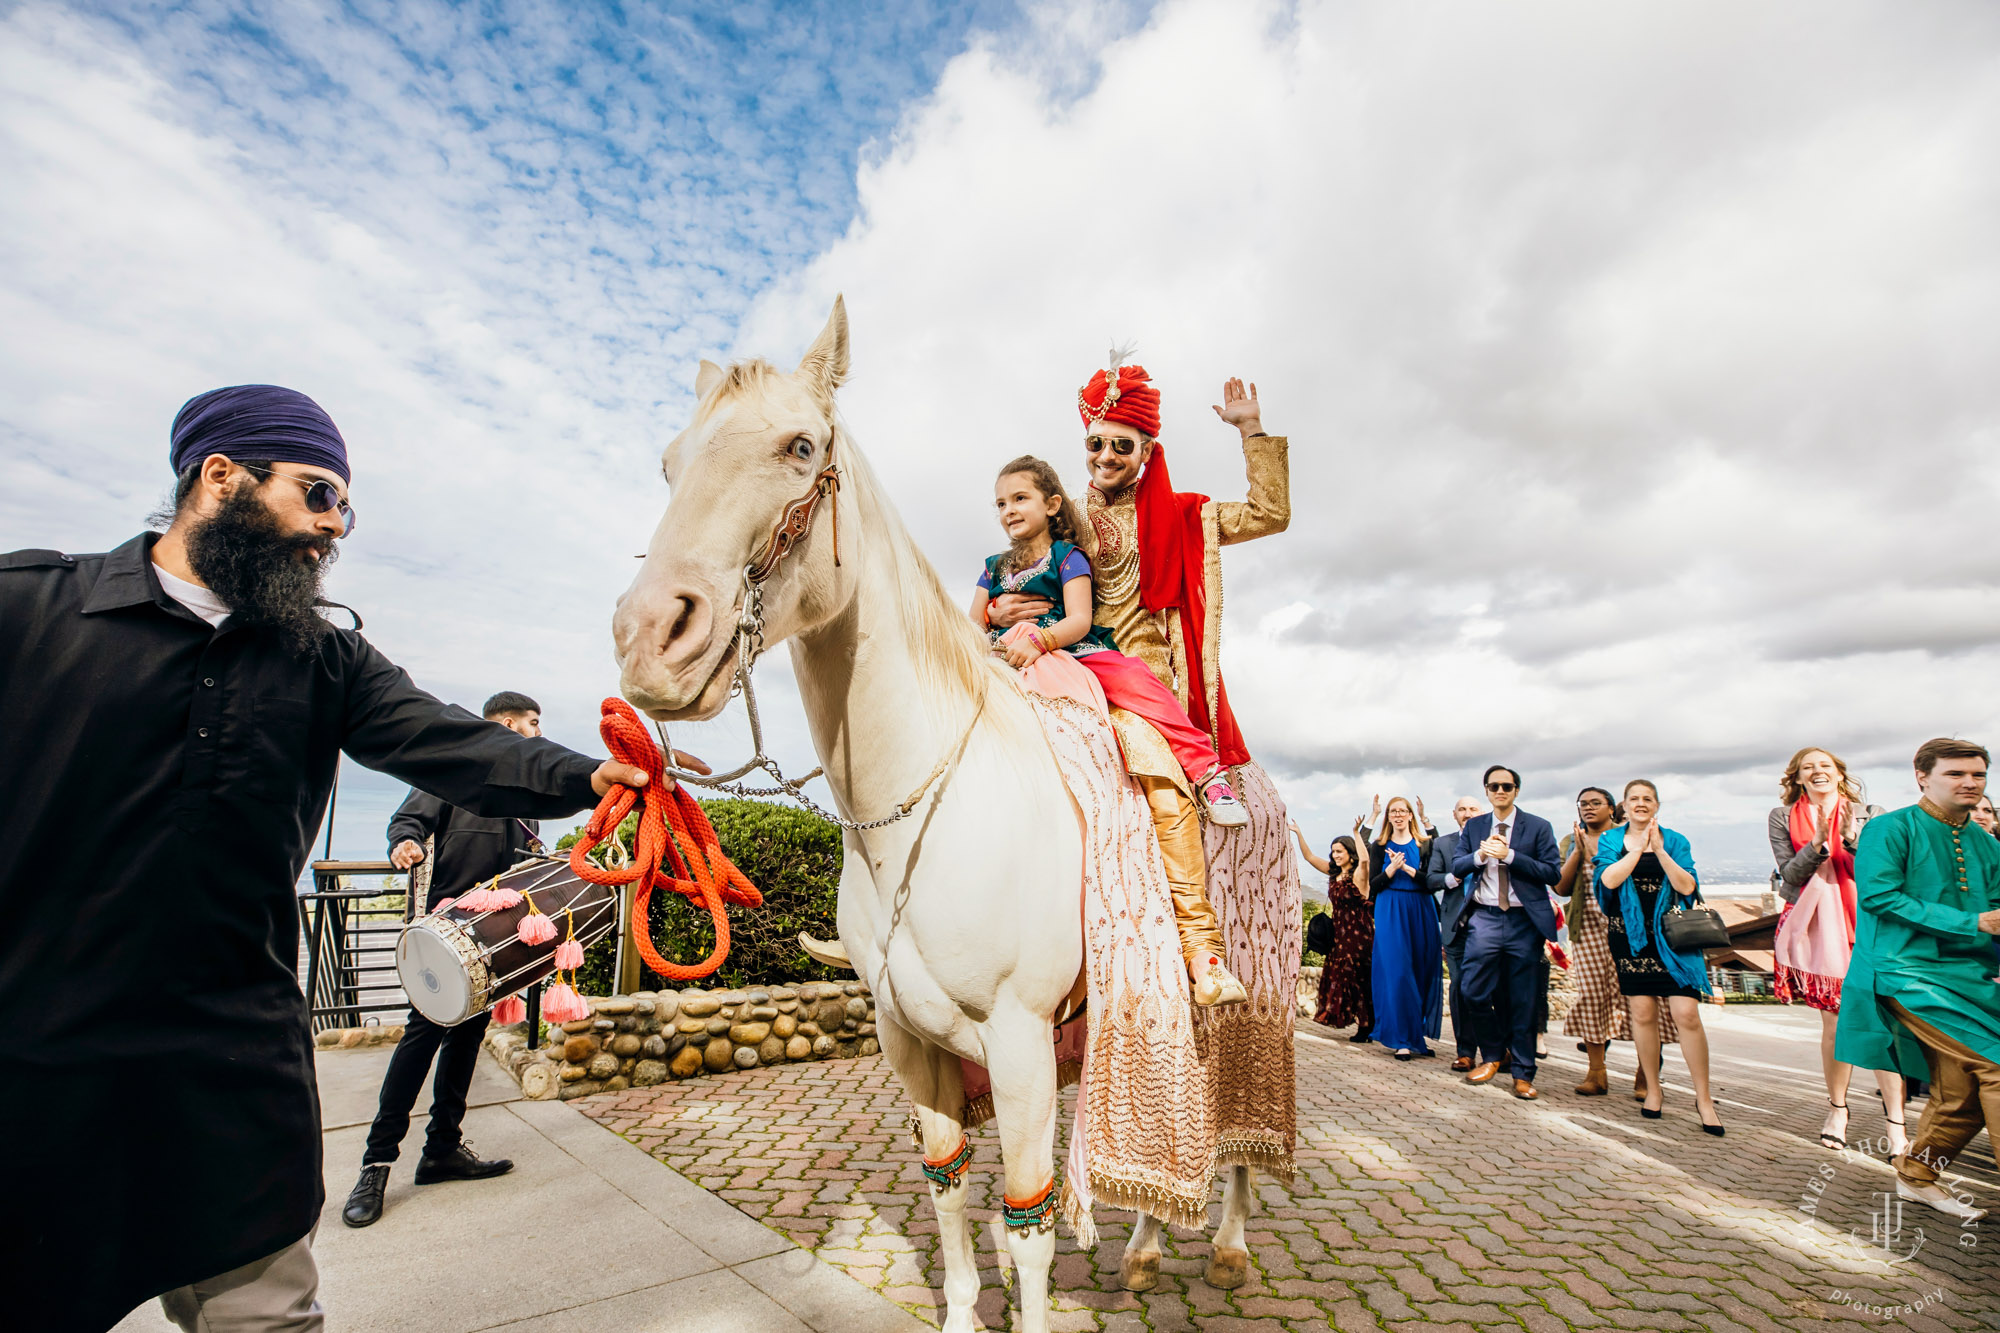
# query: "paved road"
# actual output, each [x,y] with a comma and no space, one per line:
[586,1235]
[1422,1203]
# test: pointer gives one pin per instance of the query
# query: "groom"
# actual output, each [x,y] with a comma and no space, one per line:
[1509,860]
[1157,569]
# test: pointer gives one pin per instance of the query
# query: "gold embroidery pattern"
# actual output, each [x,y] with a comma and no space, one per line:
[1253,883]
[1144,1134]
[1116,568]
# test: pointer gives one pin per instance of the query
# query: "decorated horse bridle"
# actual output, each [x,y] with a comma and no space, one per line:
[797,520]
[792,527]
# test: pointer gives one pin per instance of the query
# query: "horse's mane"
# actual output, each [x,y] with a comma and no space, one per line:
[946,645]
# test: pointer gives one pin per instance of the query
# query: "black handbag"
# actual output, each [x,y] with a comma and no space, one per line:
[1694,929]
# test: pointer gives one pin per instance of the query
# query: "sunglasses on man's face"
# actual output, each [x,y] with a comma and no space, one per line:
[1499,786]
[321,496]
[1093,444]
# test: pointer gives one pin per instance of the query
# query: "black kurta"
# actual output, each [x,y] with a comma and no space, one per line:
[469,847]
[161,782]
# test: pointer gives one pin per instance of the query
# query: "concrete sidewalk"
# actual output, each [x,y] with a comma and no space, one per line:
[586,1233]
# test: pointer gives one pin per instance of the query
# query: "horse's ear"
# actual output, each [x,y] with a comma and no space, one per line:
[707,378]
[824,365]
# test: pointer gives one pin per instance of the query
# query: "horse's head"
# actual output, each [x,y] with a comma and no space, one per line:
[758,441]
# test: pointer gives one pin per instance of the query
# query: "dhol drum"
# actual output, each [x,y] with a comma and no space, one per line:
[455,963]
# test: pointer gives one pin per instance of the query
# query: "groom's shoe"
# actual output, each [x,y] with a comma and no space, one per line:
[1483,1073]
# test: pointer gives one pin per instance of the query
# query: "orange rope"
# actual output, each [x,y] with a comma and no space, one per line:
[692,847]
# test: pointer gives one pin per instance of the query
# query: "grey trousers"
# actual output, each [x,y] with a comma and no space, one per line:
[276,1294]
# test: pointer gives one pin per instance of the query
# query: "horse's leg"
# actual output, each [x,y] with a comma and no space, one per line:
[931,1076]
[1229,1260]
[1139,1269]
[1021,1057]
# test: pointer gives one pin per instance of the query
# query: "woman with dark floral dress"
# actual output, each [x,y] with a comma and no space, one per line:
[1345,994]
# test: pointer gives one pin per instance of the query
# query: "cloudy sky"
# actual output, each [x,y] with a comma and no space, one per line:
[1639,361]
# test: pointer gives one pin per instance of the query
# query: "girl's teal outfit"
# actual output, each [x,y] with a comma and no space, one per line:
[1045,578]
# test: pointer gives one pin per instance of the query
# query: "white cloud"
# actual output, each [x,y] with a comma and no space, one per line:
[1637,360]
[1637,364]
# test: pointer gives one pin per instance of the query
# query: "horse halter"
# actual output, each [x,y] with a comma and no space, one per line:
[797,520]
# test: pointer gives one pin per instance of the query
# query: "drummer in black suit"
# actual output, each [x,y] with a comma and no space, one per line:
[469,849]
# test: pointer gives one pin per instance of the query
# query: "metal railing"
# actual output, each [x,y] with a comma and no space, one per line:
[350,942]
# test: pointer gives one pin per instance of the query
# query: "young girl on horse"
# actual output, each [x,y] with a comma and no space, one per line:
[1064,655]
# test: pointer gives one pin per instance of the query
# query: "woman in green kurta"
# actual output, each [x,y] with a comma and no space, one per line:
[1920,994]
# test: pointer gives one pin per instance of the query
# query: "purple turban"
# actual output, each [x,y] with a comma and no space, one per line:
[261,422]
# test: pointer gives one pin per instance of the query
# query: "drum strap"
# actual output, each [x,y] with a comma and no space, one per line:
[673,832]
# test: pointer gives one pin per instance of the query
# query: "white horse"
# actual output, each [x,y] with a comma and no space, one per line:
[962,918]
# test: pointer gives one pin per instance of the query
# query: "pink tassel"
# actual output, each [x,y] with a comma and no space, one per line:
[563,1005]
[536,929]
[477,900]
[569,956]
[444,904]
[502,899]
[513,1009]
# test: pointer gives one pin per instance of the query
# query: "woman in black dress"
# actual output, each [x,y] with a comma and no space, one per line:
[1644,871]
[1345,994]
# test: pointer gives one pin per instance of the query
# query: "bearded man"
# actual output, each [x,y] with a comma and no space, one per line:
[176,710]
[1156,566]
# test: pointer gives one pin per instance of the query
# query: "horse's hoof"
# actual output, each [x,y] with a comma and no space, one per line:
[1139,1272]
[1228,1269]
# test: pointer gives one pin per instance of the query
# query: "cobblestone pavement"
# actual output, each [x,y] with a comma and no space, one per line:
[1421,1201]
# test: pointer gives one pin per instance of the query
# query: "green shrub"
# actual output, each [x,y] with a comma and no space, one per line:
[791,856]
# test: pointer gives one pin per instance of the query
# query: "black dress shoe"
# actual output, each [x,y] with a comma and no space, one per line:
[462,1164]
[1359,1036]
[364,1205]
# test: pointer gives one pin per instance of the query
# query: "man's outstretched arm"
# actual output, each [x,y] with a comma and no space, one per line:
[1267,463]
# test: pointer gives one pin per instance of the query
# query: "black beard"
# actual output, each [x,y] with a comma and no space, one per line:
[252,563]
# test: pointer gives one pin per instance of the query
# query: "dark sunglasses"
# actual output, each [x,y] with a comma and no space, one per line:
[321,496]
[1093,444]
[1499,786]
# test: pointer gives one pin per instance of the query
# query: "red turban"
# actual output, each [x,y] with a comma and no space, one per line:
[1132,401]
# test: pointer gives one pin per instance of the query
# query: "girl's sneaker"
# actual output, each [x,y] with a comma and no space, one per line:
[1213,983]
[1224,810]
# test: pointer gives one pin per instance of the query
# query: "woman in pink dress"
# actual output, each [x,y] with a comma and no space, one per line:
[1812,839]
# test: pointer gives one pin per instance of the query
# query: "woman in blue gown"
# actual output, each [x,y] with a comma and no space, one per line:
[1408,971]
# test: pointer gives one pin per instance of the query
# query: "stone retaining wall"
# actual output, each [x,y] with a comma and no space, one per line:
[646,1038]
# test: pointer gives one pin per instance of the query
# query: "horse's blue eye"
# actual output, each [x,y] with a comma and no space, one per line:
[802,447]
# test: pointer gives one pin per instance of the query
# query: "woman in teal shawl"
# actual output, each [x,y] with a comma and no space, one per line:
[1641,871]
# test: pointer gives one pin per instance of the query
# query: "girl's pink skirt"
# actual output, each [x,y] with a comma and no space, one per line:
[1057,675]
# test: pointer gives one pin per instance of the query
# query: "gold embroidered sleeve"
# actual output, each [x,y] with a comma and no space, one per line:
[1266,458]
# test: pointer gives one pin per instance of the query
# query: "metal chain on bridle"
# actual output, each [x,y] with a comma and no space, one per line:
[791,528]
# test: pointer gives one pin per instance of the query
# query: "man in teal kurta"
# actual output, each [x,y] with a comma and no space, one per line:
[1920,995]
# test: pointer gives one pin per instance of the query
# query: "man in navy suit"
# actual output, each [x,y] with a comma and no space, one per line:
[1452,916]
[1508,859]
